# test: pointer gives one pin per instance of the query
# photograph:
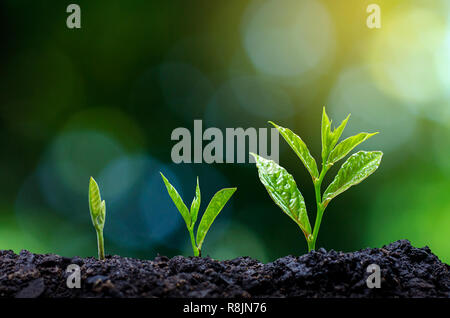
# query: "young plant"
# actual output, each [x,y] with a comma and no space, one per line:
[97,208]
[190,216]
[281,185]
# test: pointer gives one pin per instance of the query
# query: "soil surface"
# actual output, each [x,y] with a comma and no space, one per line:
[406,271]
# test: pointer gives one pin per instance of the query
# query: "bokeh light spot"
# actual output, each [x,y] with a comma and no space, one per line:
[289,37]
[408,53]
[78,155]
[371,110]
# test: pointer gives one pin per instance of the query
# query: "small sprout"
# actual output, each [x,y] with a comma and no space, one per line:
[97,208]
[281,185]
[190,216]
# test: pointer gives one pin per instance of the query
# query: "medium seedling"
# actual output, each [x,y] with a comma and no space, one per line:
[190,216]
[97,207]
[281,185]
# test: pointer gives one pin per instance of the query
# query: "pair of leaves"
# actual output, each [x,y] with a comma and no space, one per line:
[283,190]
[330,137]
[97,207]
[356,168]
[190,217]
[332,153]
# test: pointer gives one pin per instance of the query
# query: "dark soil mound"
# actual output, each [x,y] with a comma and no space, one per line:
[406,271]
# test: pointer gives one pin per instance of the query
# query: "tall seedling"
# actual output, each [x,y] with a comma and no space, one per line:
[281,185]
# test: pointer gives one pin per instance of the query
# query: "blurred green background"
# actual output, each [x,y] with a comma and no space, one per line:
[103,100]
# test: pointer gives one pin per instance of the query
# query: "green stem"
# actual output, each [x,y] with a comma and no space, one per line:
[320,209]
[311,245]
[101,247]
[316,228]
[194,246]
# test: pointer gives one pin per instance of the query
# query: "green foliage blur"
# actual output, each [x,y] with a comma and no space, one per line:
[103,100]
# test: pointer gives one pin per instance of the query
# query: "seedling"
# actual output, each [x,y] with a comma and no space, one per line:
[97,208]
[190,216]
[281,185]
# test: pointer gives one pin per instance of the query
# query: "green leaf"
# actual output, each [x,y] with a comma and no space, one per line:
[176,198]
[357,167]
[283,190]
[337,133]
[101,216]
[96,205]
[345,146]
[214,207]
[330,137]
[300,148]
[326,134]
[195,205]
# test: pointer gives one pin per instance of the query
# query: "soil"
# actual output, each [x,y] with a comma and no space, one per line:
[406,271]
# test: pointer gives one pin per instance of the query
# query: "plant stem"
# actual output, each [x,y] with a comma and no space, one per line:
[311,245]
[316,228]
[101,247]
[194,246]
[320,209]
